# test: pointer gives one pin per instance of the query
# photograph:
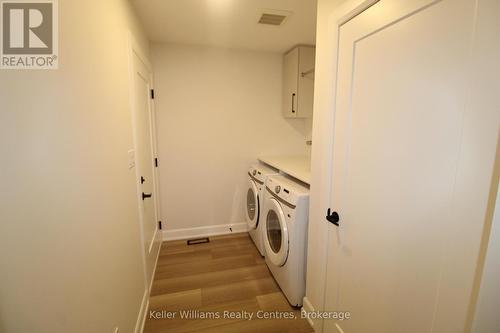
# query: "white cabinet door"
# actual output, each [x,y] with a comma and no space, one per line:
[298,82]
[290,83]
[305,97]
[407,144]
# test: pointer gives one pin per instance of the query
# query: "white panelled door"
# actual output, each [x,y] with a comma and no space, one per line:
[400,103]
[143,120]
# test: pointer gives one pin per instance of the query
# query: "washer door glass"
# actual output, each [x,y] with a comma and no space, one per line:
[251,204]
[276,233]
[252,210]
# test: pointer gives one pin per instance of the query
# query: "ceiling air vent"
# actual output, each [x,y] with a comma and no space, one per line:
[273,17]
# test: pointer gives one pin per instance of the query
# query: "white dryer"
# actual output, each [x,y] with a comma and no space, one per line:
[257,176]
[286,211]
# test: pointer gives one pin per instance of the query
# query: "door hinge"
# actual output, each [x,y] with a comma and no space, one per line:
[156,162]
[159,225]
[152,94]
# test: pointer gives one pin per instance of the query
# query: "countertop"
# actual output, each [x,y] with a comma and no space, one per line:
[296,166]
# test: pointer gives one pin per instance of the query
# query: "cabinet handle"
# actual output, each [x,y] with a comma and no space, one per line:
[293,103]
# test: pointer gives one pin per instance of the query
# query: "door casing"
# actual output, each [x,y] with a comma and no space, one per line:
[136,52]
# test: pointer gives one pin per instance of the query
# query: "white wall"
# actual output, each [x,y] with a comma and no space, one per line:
[218,109]
[69,235]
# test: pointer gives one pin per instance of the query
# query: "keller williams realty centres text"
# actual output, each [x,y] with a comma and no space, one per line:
[246,315]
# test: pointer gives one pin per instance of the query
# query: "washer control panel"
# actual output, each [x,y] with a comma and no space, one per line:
[286,189]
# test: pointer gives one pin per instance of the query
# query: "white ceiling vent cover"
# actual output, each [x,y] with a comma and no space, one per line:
[273,17]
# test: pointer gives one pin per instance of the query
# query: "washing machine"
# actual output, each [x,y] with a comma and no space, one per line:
[286,214]
[257,176]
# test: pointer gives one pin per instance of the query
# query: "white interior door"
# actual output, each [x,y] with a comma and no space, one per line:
[400,103]
[144,157]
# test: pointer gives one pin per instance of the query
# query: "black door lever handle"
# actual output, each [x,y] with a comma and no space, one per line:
[332,217]
[146,195]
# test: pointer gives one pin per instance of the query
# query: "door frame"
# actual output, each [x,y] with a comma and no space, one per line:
[134,49]
[321,157]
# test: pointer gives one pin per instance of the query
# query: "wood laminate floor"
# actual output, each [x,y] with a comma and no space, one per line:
[226,277]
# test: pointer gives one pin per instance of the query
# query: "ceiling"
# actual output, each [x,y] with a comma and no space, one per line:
[228,23]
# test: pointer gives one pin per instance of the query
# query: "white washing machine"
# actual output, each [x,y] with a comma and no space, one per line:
[286,211]
[257,176]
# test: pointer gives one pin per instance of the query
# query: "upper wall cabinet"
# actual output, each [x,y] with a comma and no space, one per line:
[298,82]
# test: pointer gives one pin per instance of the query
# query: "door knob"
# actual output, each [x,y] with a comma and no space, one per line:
[332,217]
[146,195]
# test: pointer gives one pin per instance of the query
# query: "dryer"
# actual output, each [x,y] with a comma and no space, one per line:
[286,214]
[257,176]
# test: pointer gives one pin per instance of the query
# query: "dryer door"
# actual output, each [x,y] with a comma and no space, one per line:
[252,211]
[276,234]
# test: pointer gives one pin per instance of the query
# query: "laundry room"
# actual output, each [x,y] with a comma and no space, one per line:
[233,126]
[253,166]
[220,107]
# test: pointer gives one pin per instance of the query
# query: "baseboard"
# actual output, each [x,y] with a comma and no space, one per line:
[141,319]
[143,311]
[213,230]
[307,308]
[156,263]
[152,243]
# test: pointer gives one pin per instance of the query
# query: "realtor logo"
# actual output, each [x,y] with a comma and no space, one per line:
[29,34]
